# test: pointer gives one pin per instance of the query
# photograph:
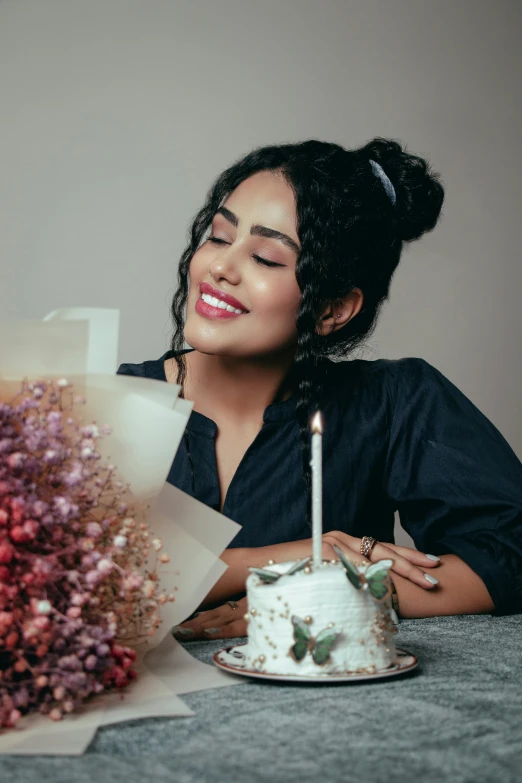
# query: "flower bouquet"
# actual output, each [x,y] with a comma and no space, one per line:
[85,577]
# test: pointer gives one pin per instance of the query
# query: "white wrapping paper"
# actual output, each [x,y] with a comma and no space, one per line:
[148,420]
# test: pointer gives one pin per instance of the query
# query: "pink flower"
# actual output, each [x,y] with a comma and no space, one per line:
[105,565]
[94,530]
[15,461]
[6,552]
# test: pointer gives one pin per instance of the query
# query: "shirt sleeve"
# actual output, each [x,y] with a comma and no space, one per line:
[454,479]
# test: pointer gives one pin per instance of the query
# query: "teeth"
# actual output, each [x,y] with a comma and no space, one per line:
[211,300]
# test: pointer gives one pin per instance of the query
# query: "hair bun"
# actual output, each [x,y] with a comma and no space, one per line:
[419,190]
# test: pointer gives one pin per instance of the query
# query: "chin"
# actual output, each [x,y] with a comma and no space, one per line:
[209,344]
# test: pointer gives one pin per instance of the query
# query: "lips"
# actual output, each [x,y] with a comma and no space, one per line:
[206,288]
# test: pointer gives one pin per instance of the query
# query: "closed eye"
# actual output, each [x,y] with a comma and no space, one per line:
[265,261]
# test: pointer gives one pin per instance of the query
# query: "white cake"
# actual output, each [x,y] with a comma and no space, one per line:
[320,621]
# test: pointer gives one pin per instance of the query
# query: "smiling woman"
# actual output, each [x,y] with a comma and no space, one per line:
[303,242]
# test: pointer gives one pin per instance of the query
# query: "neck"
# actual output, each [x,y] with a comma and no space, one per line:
[237,388]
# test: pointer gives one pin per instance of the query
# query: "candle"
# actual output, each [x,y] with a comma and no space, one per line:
[317,490]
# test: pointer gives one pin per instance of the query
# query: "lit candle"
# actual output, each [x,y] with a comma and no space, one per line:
[317,489]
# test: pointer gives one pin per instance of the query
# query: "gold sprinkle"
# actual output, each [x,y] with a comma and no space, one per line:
[271,562]
[308,620]
[253,612]
[246,617]
[307,570]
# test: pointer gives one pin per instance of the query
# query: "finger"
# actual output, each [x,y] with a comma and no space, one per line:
[191,629]
[203,617]
[219,628]
[403,567]
[229,631]
[328,551]
[414,556]
[343,538]
[350,545]
[197,628]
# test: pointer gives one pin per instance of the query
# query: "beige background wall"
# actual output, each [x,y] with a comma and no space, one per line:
[116,115]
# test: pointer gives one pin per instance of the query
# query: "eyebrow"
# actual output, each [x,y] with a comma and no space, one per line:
[262,231]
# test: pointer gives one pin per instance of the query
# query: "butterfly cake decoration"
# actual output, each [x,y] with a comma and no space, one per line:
[319,646]
[269,577]
[375,579]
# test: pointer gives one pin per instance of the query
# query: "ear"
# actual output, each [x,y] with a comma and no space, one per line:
[340,311]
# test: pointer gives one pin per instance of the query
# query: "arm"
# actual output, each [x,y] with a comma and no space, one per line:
[460,591]
[457,485]
[408,564]
[232,583]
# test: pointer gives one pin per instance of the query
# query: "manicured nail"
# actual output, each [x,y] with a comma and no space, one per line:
[211,631]
[182,633]
[431,579]
[432,557]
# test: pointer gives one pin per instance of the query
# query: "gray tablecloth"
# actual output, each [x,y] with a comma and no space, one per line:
[456,718]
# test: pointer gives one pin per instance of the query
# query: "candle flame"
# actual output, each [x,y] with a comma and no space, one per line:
[317,424]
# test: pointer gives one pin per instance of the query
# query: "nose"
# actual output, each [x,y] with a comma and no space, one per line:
[225,265]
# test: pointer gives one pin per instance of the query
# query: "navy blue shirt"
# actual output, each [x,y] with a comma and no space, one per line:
[398,435]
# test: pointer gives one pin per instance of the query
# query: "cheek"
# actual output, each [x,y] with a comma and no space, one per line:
[276,298]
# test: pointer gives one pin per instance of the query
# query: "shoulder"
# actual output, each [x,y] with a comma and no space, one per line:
[152,368]
[414,383]
[410,383]
[417,378]
[378,373]
[409,373]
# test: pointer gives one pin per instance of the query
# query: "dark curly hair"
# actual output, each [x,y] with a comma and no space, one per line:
[351,235]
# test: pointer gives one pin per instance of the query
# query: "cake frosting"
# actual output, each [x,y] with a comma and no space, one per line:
[321,620]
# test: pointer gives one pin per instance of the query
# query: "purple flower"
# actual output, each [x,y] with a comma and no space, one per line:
[90,662]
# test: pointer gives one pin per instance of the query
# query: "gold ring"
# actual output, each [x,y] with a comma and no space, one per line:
[367,544]
[233,604]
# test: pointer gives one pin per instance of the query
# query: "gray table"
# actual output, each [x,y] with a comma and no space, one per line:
[456,718]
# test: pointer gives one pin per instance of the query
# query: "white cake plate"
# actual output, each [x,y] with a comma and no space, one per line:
[233,660]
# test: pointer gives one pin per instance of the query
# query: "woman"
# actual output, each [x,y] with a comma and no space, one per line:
[304,240]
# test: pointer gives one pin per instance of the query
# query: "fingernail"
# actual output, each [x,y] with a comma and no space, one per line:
[432,557]
[211,631]
[182,633]
[431,579]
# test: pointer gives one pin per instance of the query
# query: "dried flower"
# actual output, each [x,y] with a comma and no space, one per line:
[76,590]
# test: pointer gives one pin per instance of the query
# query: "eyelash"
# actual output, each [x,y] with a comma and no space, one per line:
[258,258]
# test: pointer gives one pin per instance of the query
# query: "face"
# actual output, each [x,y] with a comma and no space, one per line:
[252,265]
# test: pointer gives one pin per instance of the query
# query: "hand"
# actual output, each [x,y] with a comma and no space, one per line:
[224,622]
[407,562]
